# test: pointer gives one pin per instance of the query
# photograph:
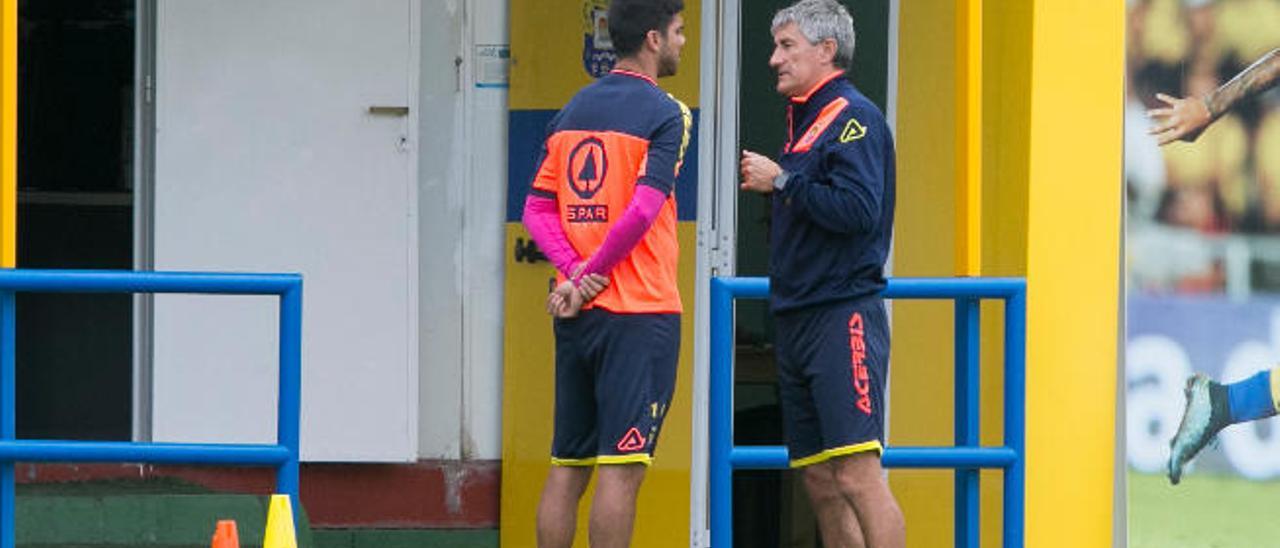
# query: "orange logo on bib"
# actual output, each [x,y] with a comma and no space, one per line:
[588,166]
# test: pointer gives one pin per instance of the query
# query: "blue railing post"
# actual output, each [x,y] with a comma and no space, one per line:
[290,400]
[967,424]
[8,412]
[966,457]
[1015,405]
[283,455]
[720,420]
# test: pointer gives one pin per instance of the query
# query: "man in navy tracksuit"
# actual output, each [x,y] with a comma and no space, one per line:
[833,195]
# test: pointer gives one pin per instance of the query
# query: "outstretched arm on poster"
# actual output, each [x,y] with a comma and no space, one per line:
[1184,119]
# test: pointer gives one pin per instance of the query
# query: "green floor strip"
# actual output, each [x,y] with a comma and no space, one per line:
[154,514]
[405,538]
[166,513]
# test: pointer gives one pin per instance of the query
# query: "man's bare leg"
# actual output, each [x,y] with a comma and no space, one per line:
[558,509]
[836,519]
[613,510]
[861,480]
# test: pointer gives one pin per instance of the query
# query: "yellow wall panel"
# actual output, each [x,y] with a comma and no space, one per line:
[1073,270]
[921,368]
[1006,109]
[547,43]
[8,133]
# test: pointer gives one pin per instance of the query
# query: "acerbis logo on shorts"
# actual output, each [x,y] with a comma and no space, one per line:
[631,441]
[861,381]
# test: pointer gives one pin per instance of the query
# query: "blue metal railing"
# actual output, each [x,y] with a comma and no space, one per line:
[283,455]
[967,457]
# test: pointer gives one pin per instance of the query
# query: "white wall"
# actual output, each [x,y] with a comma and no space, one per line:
[462,204]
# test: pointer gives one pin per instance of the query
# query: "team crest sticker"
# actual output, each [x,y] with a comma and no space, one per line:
[588,166]
[598,55]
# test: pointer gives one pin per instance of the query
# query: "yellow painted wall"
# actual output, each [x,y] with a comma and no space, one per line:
[1073,250]
[8,133]
[921,374]
[1045,171]
[1006,101]
[546,54]
[546,70]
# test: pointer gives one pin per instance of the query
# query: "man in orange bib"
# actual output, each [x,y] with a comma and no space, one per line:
[603,206]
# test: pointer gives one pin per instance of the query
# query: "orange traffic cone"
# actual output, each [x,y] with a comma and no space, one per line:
[225,536]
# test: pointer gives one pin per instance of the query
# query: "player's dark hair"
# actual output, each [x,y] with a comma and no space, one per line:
[631,20]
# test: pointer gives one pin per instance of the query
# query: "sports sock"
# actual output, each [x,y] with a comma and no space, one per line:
[1251,399]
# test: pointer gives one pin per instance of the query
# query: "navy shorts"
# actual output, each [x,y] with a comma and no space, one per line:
[615,374]
[832,364]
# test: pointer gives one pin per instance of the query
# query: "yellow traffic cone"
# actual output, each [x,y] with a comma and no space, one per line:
[225,536]
[280,533]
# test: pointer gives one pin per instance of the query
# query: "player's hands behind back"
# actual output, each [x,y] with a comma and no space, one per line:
[566,300]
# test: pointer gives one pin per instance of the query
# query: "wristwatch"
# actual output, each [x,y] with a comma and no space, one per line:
[780,182]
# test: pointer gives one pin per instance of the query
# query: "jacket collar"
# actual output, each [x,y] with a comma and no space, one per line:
[802,99]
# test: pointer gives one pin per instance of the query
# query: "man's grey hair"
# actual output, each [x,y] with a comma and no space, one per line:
[819,20]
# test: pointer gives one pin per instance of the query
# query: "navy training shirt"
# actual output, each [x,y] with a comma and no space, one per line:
[833,220]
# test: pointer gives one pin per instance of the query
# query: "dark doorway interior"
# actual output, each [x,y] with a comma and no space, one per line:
[75,210]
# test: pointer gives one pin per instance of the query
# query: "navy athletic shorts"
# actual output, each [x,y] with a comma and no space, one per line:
[832,365]
[615,374]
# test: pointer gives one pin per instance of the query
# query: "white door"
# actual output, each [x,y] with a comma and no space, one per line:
[270,159]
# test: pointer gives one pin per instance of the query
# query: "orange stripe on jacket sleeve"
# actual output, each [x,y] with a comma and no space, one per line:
[829,114]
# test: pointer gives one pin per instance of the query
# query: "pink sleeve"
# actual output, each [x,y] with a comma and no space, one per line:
[542,218]
[626,233]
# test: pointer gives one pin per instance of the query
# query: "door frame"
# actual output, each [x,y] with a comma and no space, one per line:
[717,222]
[144,172]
